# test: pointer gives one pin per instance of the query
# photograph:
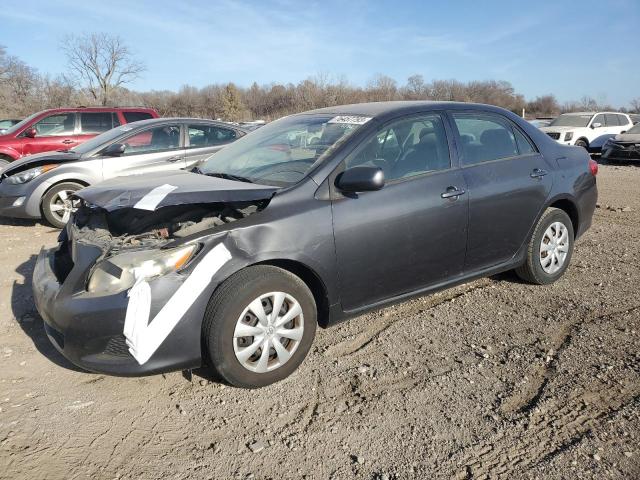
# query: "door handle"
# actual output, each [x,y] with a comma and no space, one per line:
[538,173]
[67,142]
[452,192]
[174,158]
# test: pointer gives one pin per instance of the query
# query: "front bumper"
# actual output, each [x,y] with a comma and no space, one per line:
[31,193]
[88,329]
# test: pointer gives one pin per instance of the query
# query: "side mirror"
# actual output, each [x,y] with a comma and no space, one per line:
[115,150]
[360,179]
[596,125]
[31,132]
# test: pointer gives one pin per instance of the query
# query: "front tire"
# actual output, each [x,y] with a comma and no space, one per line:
[582,143]
[246,343]
[550,248]
[57,205]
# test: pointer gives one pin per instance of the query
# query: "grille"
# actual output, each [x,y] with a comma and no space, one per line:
[117,347]
[554,135]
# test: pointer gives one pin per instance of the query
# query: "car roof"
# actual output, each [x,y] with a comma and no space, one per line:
[97,109]
[153,121]
[592,113]
[385,109]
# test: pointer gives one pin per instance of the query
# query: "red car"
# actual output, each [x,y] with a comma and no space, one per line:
[64,128]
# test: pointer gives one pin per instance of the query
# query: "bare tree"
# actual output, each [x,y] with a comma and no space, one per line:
[634,105]
[101,62]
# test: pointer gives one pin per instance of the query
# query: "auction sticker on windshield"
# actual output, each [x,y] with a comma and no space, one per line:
[351,119]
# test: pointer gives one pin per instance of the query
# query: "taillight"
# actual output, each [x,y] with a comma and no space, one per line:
[593,167]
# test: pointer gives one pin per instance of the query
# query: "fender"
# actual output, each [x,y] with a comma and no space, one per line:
[10,152]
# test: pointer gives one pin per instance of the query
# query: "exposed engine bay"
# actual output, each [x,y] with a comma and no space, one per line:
[130,229]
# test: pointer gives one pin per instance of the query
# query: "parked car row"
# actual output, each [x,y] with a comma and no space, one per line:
[306,221]
[590,130]
[42,185]
[62,129]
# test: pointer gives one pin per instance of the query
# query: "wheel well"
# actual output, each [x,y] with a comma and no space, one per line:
[570,209]
[585,140]
[312,280]
[81,182]
[4,156]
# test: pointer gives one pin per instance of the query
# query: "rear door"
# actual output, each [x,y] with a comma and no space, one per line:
[95,123]
[203,140]
[155,149]
[507,182]
[406,236]
[53,132]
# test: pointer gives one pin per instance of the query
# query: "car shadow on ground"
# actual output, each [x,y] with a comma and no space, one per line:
[27,316]
[18,222]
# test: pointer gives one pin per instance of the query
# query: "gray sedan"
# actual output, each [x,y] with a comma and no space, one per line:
[42,185]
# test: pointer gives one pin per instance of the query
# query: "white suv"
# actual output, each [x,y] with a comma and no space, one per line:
[587,129]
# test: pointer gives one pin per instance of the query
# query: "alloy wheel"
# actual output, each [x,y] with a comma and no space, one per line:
[61,205]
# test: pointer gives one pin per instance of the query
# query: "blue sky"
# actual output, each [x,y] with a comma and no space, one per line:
[570,48]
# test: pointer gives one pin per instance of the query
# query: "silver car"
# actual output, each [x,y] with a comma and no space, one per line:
[42,185]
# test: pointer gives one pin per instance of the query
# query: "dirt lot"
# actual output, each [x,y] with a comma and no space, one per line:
[493,378]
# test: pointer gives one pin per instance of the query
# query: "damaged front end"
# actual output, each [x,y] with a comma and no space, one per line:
[123,293]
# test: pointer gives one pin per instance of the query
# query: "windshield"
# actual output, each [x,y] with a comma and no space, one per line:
[566,120]
[99,140]
[283,152]
[20,125]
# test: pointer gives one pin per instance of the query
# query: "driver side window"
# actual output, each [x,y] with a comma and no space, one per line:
[166,137]
[56,125]
[406,148]
[598,119]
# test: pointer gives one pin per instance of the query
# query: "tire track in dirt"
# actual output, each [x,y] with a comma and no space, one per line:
[541,432]
[533,391]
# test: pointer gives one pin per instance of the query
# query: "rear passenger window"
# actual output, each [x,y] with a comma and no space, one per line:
[136,116]
[612,120]
[524,145]
[95,122]
[406,148]
[207,136]
[484,138]
[622,120]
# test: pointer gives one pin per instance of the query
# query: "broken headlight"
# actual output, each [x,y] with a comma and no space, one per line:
[122,271]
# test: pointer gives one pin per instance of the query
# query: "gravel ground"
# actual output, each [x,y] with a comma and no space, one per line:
[494,378]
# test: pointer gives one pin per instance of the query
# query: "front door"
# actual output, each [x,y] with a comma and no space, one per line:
[405,236]
[507,182]
[54,132]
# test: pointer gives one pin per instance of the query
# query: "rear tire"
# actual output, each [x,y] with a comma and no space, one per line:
[231,329]
[549,250]
[56,205]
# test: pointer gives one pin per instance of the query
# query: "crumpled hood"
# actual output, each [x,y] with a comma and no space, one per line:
[628,137]
[162,189]
[32,161]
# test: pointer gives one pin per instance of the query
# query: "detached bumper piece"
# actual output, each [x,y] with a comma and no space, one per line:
[621,151]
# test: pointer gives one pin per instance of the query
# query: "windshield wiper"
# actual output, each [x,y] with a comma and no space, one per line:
[227,176]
